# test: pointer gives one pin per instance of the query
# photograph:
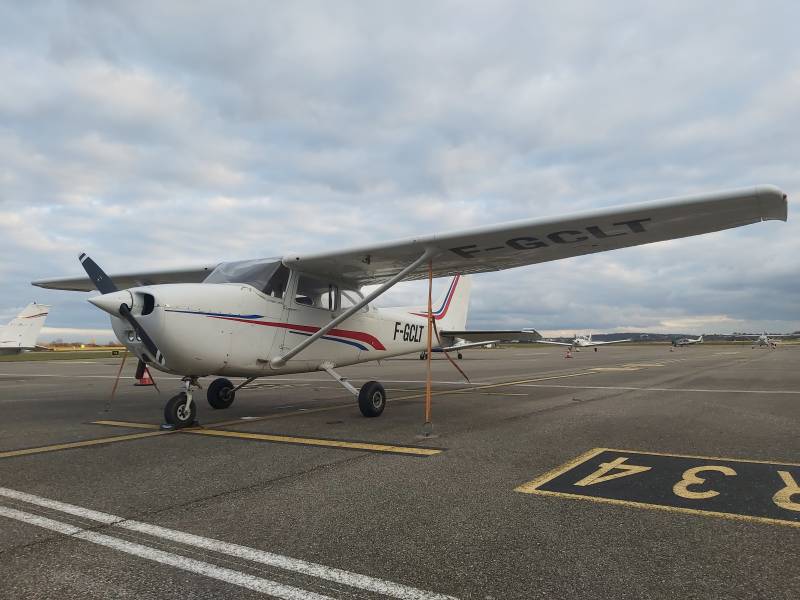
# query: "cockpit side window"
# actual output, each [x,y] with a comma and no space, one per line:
[276,286]
[317,293]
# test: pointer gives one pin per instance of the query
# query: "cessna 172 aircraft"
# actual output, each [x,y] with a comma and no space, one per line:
[21,332]
[305,312]
[765,339]
[687,341]
[581,341]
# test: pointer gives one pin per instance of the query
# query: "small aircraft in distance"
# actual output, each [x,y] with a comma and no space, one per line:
[306,312]
[21,332]
[764,340]
[456,341]
[581,341]
[687,341]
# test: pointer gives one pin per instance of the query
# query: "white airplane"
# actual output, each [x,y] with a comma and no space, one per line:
[687,341]
[581,341]
[765,339]
[21,332]
[305,312]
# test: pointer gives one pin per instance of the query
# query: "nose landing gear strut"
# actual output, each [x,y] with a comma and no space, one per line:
[181,410]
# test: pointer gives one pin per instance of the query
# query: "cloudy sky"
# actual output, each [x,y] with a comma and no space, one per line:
[155,134]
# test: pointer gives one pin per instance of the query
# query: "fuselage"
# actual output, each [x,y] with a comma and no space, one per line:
[234,330]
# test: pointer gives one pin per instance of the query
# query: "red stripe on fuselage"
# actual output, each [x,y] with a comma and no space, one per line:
[345,333]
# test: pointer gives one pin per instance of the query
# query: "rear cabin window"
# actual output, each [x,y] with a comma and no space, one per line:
[325,295]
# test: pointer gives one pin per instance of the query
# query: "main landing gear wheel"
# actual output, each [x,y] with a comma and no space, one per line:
[422,355]
[460,356]
[220,393]
[372,399]
[177,414]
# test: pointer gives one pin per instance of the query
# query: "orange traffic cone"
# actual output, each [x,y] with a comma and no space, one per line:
[145,379]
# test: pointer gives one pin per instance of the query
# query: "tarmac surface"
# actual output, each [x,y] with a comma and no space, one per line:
[291,493]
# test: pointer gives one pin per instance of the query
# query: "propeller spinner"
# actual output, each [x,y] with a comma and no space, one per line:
[117,303]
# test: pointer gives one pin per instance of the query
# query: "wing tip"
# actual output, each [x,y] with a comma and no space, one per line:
[774,203]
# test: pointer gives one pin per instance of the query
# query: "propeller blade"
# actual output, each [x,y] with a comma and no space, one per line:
[105,285]
[101,281]
[140,367]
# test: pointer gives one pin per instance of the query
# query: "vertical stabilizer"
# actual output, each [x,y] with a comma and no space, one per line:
[22,331]
[451,308]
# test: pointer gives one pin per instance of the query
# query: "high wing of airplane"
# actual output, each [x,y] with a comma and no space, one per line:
[688,341]
[307,312]
[769,340]
[21,332]
[581,341]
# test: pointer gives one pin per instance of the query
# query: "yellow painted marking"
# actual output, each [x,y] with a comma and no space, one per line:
[690,478]
[126,424]
[606,369]
[691,511]
[743,460]
[643,365]
[286,439]
[83,444]
[783,497]
[604,472]
[531,487]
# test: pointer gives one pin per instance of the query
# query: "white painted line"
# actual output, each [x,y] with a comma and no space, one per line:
[238,578]
[296,565]
[649,389]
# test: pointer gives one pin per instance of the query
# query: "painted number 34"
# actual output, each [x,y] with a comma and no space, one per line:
[693,485]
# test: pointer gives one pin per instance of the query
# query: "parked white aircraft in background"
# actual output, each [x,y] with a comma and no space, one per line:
[581,341]
[21,332]
[687,341]
[765,340]
[305,312]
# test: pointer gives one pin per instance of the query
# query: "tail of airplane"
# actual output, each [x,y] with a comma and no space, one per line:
[700,339]
[22,331]
[450,309]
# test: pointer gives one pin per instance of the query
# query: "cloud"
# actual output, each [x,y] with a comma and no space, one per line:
[154,136]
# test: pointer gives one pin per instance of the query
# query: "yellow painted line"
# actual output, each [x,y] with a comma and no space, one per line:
[674,509]
[303,441]
[83,444]
[127,424]
[607,369]
[743,460]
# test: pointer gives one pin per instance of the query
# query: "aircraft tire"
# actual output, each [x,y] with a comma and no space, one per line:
[422,356]
[175,412]
[372,399]
[460,356]
[220,393]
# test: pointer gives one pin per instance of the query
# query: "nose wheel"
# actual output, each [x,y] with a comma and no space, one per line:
[181,410]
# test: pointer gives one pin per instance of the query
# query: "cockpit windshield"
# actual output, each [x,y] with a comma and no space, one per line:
[267,275]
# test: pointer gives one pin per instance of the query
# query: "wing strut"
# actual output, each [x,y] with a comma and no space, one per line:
[279,361]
